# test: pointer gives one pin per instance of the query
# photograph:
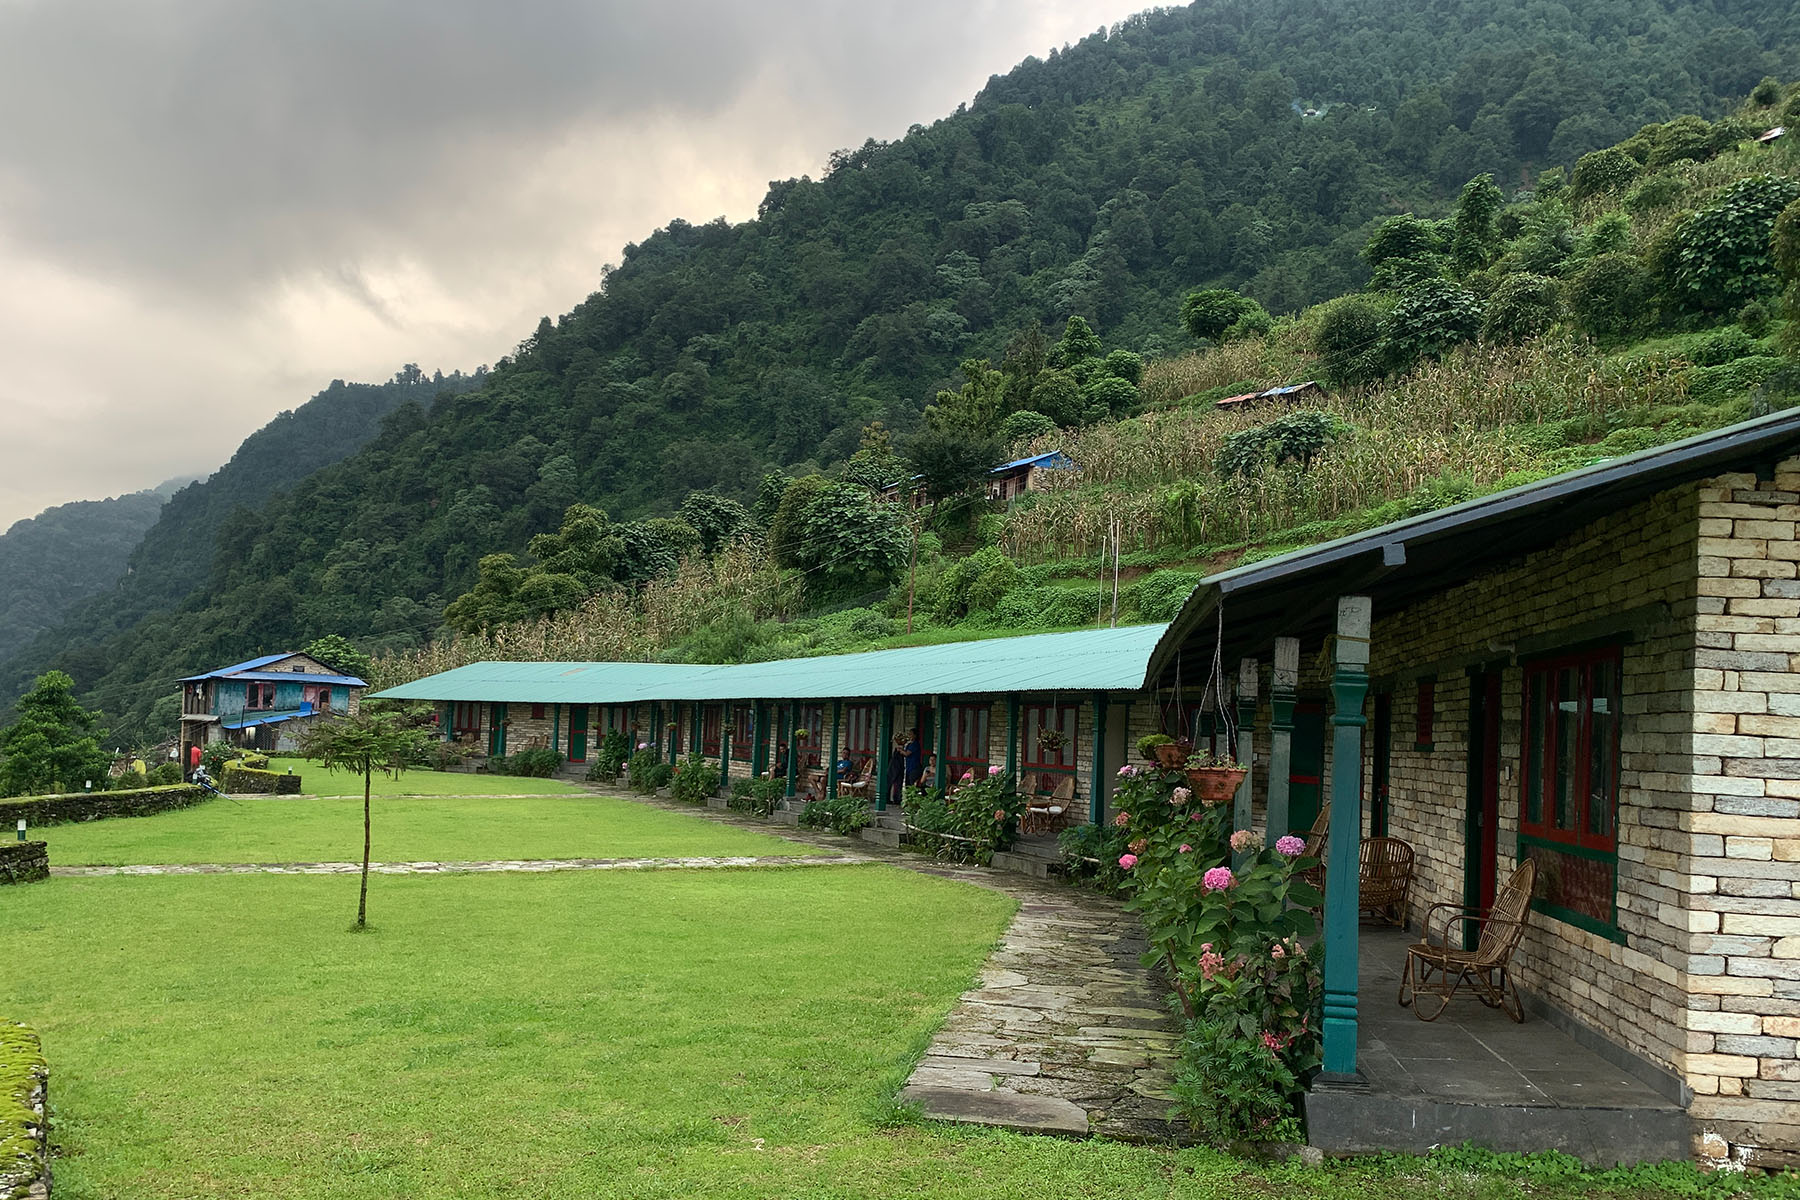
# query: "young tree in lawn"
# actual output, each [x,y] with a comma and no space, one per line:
[376,739]
[54,743]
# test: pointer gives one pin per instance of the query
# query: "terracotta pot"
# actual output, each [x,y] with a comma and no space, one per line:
[1215,785]
[1171,755]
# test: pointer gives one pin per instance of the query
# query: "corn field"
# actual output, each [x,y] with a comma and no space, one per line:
[1453,419]
[616,625]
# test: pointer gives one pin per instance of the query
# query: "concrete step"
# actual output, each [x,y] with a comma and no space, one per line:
[891,818]
[720,802]
[882,837]
[783,816]
[1021,864]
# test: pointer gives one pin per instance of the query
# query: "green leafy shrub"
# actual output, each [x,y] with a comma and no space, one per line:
[694,779]
[609,760]
[1522,306]
[214,756]
[1347,339]
[843,813]
[1722,346]
[1729,381]
[1046,608]
[1024,425]
[446,756]
[1208,314]
[1652,192]
[968,825]
[1091,855]
[163,774]
[757,796]
[540,762]
[1296,438]
[648,772]
[1607,295]
[1603,172]
[1720,258]
[1427,322]
[1160,594]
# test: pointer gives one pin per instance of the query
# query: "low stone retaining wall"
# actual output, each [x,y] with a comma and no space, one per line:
[94,806]
[250,781]
[24,1124]
[24,862]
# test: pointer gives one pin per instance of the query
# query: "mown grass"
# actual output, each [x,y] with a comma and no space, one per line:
[720,1034]
[439,828]
[317,781]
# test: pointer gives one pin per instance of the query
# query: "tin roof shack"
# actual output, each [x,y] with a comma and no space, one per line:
[259,703]
[1008,481]
[1293,393]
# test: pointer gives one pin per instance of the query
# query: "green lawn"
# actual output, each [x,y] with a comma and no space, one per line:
[448,828]
[317,781]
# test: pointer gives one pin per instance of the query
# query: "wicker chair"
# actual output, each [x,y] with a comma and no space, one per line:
[1315,847]
[1435,969]
[1046,812]
[1386,878]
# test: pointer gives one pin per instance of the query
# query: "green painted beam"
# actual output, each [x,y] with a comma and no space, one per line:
[884,755]
[940,775]
[1097,786]
[793,756]
[1343,847]
[831,775]
[1012,738]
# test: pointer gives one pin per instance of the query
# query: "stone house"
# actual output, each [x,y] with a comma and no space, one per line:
[1595,672]
[261,704]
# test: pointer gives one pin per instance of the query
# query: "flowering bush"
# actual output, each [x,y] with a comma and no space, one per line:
[970,824]
[758,796]
[844,814]
[1229,940]
[1091,854]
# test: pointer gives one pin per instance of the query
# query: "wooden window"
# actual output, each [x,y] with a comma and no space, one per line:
[1040,721]
[712,718]
[1426,716]
[811,717]
[860,729]
[259,695]
[968,748]
[743,736]
[465,718]
[1569,808]
[537,712]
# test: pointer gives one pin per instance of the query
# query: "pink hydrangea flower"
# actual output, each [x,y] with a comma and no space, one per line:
[1182,796]
[1184,848]
[992,771]
[968,776]
[1217,879]
[1290,845]
[1122,819]
[1246,841]
[643,745]
[1277,951]
[999,814]
[1210,964]
[1128,861]
[1127,771]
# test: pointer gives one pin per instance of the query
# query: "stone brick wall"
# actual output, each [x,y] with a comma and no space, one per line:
[1740,887]
[24,1125]
[24,862]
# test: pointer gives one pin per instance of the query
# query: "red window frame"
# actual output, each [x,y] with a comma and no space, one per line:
[259,696]
[1036,717]
[967,751]
[465,717]
[861,729]
[811,717]
[712,720]
[1569,751]
[743,732]
[1425,716]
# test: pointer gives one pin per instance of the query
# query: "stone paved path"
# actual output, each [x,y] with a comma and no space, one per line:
[452,868]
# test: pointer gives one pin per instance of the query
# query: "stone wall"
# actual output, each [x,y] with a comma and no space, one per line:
[1740,888]
[24,1119]
[24,862]
[93,806]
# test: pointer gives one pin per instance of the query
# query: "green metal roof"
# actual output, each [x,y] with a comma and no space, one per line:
[1088,660]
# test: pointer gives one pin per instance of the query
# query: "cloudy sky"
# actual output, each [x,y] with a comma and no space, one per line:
[210,209]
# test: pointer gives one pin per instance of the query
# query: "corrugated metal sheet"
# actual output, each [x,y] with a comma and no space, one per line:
[299,677]
[1088,660]
[1054,460]
[246,665]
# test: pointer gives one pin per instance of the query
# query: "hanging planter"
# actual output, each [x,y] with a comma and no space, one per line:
[800,735]
[1166,752]
[1214,779]
[1052,740]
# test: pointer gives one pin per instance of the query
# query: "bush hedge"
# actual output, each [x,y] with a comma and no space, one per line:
[252,781]
[94,806]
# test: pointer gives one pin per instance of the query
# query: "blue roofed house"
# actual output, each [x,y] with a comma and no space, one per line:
[261,704]
[1008,481]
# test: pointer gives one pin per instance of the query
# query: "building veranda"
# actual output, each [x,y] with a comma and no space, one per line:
[1594,675]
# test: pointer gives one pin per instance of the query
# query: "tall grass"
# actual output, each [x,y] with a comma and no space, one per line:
[1459,418]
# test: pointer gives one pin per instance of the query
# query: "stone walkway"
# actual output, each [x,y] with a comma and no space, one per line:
[453,868]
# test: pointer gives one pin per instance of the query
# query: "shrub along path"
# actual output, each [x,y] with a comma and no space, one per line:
[1066,1034]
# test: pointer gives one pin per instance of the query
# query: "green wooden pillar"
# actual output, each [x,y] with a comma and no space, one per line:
[884,755]
[1245,750]
[656,729]
[831,775]
[446,718]
[556,726]
[1343,848]
[759,756]
[941,773]
[698,715]
[1282,695]
[1012,738]
[793,759]
[1097,785]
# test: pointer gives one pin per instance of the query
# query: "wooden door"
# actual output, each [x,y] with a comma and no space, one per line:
[578,731]
[1306,767]
[1481,830]
[497,731]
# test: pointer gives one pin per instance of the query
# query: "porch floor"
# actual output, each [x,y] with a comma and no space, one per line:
[1475,1076]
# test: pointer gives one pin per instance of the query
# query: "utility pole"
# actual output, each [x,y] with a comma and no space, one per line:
[912,570]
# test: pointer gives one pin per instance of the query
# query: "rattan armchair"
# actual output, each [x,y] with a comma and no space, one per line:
[1435,969]
[1386,878]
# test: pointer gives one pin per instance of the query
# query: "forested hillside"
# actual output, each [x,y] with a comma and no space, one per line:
[170,554]
[52,562]
[1238,145]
